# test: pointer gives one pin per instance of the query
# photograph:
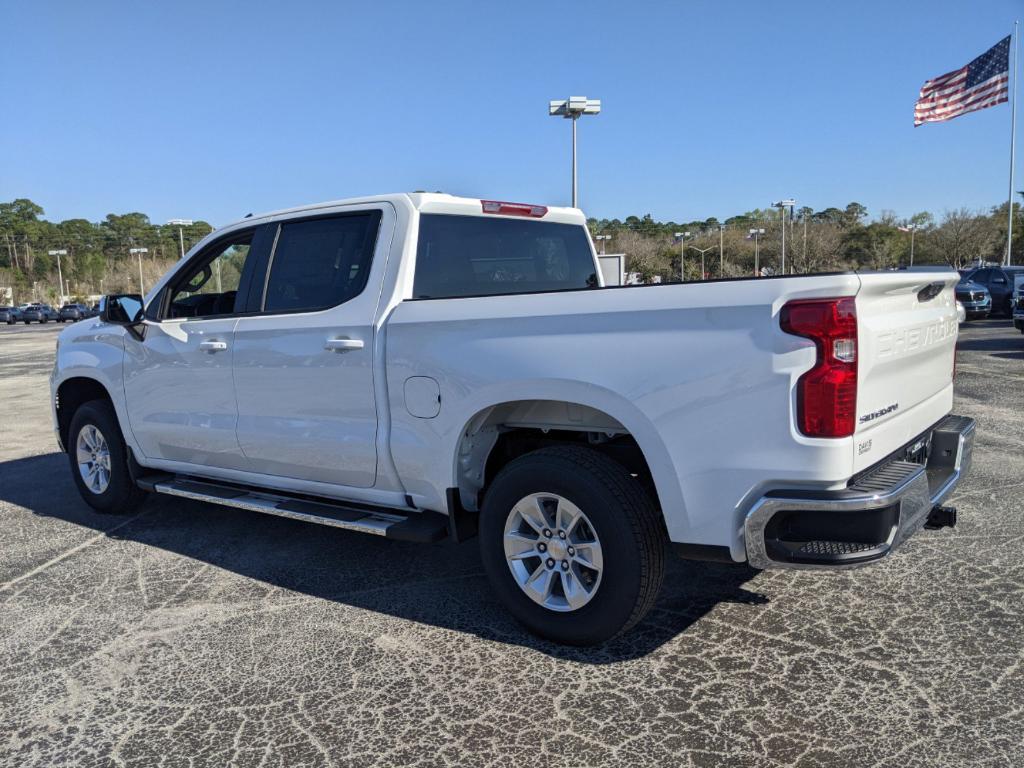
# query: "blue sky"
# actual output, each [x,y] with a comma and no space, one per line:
[215,109]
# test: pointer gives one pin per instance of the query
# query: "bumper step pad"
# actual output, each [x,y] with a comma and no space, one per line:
[420,527]
[870,518]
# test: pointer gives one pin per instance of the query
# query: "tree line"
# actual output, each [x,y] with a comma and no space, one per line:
[99,258]
[828,240]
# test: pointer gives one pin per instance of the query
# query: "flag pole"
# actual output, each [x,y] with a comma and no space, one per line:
[1013,131]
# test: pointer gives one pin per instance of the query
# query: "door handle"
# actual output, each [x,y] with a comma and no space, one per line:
[213,346]
[343,345]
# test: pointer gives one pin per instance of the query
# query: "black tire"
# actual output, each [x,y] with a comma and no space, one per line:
[121,495]
[27,322]
[625,520]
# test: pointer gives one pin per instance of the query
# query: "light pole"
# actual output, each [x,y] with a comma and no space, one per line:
[804,217]
[702,251]
[602,239]
[721,250]
[912,229]
[755,233]
[571,109]
[140,251]
[60,274]
[181,237]
[782,205]
[681,237]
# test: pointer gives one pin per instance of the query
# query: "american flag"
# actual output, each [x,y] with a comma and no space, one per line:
[982,83]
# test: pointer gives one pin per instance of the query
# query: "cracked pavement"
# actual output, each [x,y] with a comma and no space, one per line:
[195,635]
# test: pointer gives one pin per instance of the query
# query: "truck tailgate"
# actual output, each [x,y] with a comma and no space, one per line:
[907,331]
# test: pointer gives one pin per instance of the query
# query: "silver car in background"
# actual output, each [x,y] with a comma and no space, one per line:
[39,313]
[10,315]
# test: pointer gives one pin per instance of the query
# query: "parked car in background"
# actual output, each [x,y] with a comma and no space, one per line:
[1018,301]
[999,283]
[10,315]
[39,313]
[73,312]
[975,297]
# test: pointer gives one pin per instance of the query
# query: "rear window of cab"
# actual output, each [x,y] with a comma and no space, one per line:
[459,256]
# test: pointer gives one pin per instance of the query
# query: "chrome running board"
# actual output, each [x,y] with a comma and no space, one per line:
[423,527]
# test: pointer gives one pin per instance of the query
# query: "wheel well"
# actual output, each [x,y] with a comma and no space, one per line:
[71,394]
[503,433]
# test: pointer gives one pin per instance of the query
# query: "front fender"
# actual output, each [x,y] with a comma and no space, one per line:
[93,351]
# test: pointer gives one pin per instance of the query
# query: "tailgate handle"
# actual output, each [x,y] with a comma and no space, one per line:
[930,291]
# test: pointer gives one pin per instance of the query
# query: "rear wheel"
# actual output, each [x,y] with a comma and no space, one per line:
[572,544]
[99,460]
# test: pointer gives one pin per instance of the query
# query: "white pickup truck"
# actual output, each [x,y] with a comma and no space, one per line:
[426,367]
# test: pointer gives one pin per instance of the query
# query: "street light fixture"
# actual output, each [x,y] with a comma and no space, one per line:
[60,274]
[755,233]
[782,205]
[911,228]
[702,251]
[179,223]
[602,239]
[572,109]
[140,251]
[681,237]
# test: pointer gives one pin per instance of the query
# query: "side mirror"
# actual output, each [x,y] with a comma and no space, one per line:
[123,309]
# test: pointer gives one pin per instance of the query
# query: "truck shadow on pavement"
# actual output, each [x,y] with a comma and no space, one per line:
[441,585]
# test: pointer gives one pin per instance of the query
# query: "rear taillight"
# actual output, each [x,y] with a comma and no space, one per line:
[514,209]
[826,396]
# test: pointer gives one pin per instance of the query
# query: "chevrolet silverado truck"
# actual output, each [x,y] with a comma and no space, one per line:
[424,367]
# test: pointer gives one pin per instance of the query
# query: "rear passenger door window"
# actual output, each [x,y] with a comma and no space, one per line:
[320,263]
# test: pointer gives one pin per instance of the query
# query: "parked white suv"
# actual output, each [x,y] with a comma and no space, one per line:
[421,366]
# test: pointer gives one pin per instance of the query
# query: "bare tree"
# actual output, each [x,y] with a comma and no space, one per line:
[963,236]
[643,254]
[824,249]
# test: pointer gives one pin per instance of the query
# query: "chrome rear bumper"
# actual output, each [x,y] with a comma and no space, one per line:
[866,521]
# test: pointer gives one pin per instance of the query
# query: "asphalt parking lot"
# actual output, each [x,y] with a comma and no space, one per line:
[192,634]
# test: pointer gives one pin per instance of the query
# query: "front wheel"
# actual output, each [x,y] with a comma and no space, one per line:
[572,544]
[99,460]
